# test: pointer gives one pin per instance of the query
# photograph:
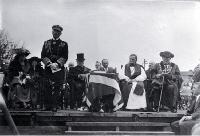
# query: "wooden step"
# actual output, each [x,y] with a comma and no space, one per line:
[118,133]
[117,125]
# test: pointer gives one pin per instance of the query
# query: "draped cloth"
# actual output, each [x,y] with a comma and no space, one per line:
[101,84]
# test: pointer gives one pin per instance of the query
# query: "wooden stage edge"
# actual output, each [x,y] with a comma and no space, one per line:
[86,113]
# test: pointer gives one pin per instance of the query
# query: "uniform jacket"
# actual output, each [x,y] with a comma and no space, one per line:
[55,51]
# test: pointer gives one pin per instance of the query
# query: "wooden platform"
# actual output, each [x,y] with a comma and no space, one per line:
[74,122]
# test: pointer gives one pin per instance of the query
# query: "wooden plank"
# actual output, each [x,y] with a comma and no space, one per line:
[117,124]
[119,133]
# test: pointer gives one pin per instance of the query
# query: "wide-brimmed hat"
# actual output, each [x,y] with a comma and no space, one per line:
[34,59]
[57,27]
[166,54]
[21,51]
[80,57]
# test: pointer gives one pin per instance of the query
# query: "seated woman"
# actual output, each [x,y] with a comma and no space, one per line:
[35,83]
[133,92]
[18,95]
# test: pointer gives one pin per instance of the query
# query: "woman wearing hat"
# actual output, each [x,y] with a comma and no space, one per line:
[17,71]
[168,80]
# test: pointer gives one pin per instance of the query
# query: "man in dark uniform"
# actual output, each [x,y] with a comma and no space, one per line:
[167,75]
[76,75]
[54,55]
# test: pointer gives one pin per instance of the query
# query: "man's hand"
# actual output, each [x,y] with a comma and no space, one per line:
[53,66]
[158,75]
[81,76]
[185,118]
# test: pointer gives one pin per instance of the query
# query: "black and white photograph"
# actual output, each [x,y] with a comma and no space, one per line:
[100,67]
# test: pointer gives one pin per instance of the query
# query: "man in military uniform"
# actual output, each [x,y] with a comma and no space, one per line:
[54,55]
[76,75]
[168,80]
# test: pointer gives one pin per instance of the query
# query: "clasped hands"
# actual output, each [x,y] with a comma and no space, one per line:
[53,66]
[164,75]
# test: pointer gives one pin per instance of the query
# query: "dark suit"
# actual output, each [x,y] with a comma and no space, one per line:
[186,126]
[54,51]
[78,86]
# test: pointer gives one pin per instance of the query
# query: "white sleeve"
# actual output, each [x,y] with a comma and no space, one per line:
[142,76]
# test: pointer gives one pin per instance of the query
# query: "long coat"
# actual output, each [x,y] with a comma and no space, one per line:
[55,51]
[171,85]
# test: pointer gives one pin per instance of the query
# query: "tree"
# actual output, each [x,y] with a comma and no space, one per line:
[6,46]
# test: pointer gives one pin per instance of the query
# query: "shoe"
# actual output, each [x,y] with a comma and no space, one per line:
[80,109]
[101,111]
[174,111]
[54,109]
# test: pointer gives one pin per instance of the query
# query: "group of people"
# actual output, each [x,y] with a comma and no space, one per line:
[151,90]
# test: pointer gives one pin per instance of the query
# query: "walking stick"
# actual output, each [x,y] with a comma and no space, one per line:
[163,78]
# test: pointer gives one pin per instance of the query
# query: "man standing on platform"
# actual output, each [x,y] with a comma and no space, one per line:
[168,80]
[54,55]
[77,77]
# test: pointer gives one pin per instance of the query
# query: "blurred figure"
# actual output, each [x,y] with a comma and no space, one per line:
[98,66]
[192,116]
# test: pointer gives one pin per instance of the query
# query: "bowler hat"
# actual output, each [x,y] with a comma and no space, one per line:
[80,57]
[57,27]
[166,54]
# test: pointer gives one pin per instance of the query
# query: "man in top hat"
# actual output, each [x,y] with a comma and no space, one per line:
[76,75]
[54,55]
[168,80]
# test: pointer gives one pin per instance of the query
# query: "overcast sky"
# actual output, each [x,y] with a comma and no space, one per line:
[110,29]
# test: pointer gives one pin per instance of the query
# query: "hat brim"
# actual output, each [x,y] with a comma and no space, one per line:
[57,29]
[166,54]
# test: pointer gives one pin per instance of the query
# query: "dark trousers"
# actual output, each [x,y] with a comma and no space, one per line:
[77,94]
[54,89]
[107,101]
[54,95]
[184,128]
[169,96]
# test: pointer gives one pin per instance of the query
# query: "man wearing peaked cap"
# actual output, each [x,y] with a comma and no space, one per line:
[168,80]
[54,55]
[78,82]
